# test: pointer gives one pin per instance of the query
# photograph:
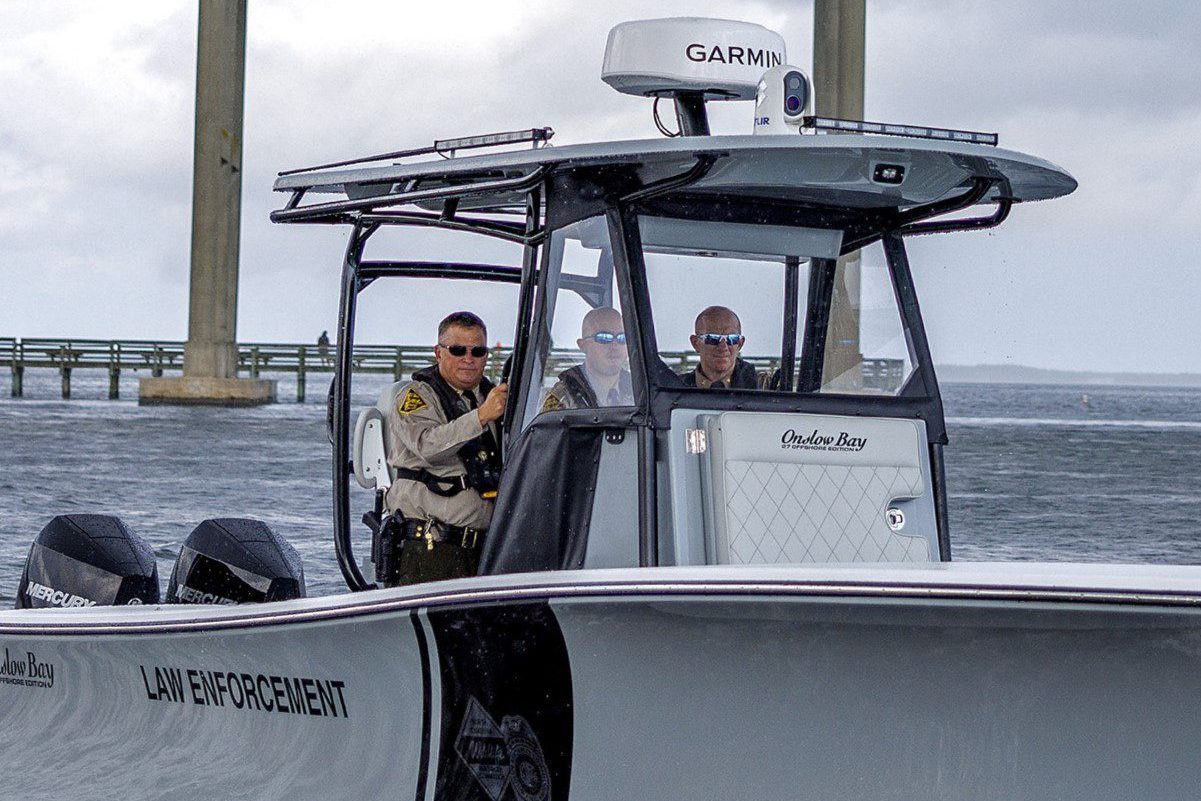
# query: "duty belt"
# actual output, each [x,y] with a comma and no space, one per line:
[431,531]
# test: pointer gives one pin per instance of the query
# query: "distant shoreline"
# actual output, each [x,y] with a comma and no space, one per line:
[1020,374]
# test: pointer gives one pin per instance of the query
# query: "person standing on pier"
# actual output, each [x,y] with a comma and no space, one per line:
[323,347]
[444,432]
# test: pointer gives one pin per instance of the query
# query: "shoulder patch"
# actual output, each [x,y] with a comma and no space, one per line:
[551,403]
[412,402]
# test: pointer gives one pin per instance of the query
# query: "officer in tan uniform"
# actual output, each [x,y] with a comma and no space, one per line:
[718,340]
[602,380]
[444,441]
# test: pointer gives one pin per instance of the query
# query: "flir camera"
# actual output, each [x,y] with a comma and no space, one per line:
[784,97]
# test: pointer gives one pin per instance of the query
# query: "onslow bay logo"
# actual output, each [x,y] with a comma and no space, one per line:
[26,670]
[817,441]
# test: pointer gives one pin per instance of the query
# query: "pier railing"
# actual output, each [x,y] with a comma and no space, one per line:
[158,357]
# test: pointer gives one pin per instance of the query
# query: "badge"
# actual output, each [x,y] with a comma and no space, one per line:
[411,403]
[504,757]
[551,403]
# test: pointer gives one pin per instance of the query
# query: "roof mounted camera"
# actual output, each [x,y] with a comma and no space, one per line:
[785,95]
[691,60]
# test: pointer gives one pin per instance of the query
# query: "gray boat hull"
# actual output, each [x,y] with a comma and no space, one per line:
[936,682]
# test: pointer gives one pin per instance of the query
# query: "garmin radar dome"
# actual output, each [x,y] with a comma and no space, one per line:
[691,60]
[87,560]
[235,561]
[721,59]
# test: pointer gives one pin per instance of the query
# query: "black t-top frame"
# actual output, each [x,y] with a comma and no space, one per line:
[525,208]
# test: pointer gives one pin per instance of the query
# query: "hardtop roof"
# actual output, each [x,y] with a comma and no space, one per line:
[831,169]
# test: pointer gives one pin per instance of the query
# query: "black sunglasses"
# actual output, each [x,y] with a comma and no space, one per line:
[733,340]
[459,351]
[607,337]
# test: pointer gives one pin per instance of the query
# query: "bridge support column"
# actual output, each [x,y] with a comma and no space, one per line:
[839,28]
[211,355]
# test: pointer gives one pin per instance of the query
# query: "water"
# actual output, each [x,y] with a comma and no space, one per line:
[1032,472]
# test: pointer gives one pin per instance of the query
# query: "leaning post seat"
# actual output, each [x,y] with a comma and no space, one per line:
[369,447]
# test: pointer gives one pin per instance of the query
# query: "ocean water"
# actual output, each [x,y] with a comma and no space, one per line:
[1034,472]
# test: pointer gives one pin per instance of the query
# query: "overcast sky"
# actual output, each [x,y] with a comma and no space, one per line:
[96,110]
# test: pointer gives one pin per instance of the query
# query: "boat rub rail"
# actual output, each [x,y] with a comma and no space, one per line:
[264,615]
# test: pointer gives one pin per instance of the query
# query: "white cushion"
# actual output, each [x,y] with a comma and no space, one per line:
[369,448]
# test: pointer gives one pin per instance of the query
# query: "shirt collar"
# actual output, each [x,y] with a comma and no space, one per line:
[704,382]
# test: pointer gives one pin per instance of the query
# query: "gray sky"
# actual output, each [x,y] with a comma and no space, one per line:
[96,104]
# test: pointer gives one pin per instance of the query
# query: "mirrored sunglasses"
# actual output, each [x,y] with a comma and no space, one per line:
[733,340]
[459,351]
[608,337]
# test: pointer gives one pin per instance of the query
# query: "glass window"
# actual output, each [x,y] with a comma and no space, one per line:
[867,351]
[582,358]
[717,296]
[717,293]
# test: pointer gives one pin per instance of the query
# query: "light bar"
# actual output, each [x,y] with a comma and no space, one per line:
[891,129]
[535,135]
[444,146]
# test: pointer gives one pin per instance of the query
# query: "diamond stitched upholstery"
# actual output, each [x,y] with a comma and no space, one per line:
[817,513]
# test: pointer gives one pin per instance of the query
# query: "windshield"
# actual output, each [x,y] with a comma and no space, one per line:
[581,355]
[721,297]
[866,349]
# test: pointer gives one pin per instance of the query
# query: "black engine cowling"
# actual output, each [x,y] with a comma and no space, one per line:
[88,560]
[234,561]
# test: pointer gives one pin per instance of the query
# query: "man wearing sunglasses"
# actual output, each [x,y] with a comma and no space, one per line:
[602,380]
[718,341]
[444,443]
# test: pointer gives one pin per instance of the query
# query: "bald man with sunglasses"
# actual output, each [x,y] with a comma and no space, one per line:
[444,446]
[718,340]
[602,380]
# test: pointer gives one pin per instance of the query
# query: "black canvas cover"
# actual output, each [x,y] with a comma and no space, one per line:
[545,498]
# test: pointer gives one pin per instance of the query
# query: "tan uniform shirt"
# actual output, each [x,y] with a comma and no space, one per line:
[762,378]
[421,438]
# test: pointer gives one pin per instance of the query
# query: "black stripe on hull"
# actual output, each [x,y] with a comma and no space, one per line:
[426,704]
[506,704]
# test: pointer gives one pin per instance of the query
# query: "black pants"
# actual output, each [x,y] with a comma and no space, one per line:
[419,563]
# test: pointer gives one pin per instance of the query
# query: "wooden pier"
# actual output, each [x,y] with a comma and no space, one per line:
[158,357]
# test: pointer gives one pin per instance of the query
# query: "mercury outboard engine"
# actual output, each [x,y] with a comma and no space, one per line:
[233,560]
[88,560]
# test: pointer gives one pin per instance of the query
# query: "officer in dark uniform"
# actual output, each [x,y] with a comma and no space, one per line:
[444,434]
[718,340]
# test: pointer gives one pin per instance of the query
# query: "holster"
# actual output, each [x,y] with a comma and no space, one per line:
[385,549]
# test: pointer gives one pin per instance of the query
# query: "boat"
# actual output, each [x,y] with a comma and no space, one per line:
[696,593]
